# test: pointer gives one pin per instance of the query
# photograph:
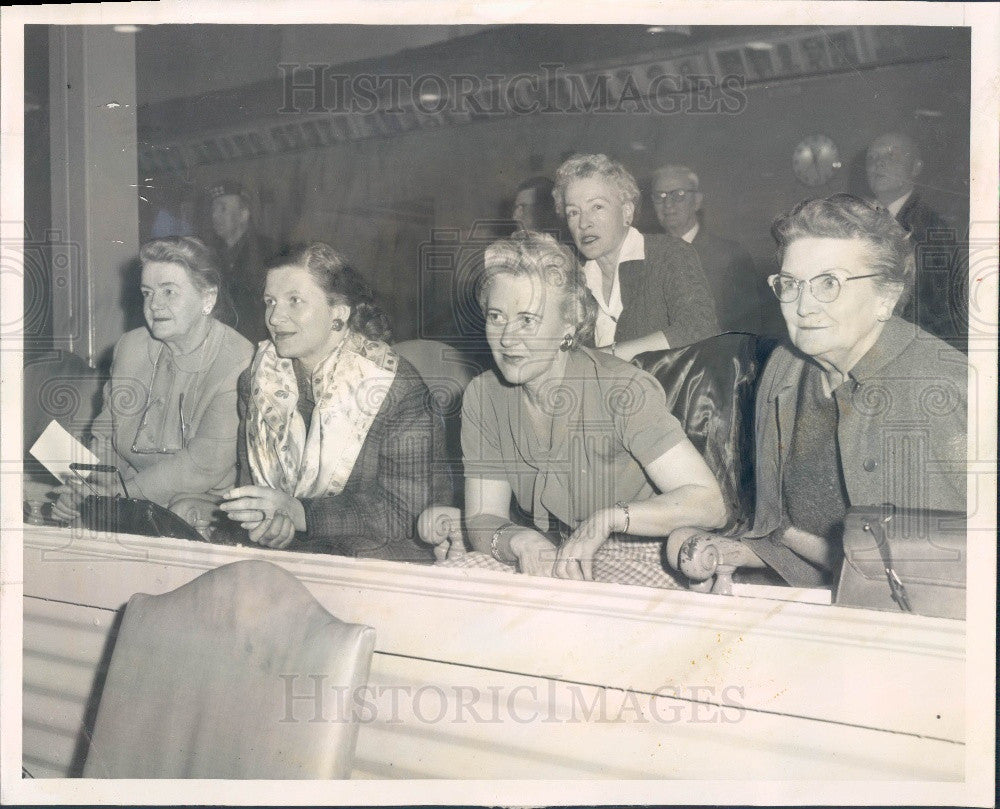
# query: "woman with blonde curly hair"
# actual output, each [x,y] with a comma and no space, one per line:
[585,443]
[651,291]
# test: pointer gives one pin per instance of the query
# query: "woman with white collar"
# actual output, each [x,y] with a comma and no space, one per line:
[651,291]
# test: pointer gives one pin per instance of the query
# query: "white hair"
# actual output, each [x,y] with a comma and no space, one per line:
[671,168]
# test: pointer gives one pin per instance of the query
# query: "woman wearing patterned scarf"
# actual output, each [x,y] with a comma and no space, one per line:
[337,439]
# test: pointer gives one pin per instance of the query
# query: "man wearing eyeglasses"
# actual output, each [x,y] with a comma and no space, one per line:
[728,267]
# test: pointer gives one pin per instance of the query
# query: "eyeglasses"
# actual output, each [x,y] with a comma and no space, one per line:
[673,197]
[824,287]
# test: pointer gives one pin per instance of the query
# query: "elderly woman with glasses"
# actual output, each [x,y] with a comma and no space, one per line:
[169,419]
[651,291]
[863,408]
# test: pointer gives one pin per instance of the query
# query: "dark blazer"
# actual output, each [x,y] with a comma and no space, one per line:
[400,470]
[668,292]
[939,304]
[242,269]
[733,281]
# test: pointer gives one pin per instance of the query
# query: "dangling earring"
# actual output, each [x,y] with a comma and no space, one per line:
[337,324]
[567,342]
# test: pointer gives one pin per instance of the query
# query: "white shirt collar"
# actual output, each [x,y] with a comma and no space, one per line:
[633,249]
[897,205]
[689,236]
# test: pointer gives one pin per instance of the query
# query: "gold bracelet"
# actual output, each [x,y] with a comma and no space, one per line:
[624,507]
[495,543]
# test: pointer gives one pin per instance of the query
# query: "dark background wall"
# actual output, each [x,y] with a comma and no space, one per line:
[37,196]
[380,200]
[413,209]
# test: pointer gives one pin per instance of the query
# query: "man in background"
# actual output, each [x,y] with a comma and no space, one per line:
[677,200]
[938,304]
[242,254]
[534,208]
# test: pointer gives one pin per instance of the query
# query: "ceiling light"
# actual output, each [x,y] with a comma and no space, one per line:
[127,29]
[760,46]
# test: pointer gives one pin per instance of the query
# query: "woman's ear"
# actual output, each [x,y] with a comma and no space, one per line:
[209,298]
[341,311]
[628,213]
[889,298]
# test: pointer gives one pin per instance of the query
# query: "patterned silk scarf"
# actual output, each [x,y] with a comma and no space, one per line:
[349,387]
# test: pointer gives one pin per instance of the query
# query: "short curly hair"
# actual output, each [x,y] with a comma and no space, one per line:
[844,216]
[197,259]
[538,255]
[342,285]
[590,165]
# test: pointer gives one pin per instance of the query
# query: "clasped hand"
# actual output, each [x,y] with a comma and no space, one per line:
[270,516]
[575,558]
[537,556]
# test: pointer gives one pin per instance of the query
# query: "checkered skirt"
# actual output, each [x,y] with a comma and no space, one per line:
[617,560]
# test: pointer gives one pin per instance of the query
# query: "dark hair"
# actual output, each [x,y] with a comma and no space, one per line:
[342,285]
[540,256]
[192,254]
[843,216]
[545,208]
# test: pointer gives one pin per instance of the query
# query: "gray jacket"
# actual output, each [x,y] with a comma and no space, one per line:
[901,432]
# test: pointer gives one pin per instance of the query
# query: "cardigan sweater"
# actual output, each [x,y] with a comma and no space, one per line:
[667,292]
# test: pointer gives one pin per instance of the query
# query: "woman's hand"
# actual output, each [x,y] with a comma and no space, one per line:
[818,550]
[67,507]
[277,533]
[270,516]
[535,554]
[575,559]
[627,349]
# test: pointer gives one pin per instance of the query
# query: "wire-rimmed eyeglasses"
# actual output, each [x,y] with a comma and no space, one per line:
[824,287]
[672,197]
